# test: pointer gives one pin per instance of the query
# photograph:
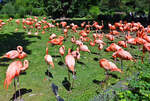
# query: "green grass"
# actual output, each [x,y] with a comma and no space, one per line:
[84,88]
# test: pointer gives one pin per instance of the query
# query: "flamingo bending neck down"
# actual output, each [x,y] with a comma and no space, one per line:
[13,54]
[13,72]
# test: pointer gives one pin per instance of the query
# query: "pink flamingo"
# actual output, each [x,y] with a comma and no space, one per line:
[70,63]
[48,59]
[123,55]
[13,72]
[62,51]
[13,54]
[107,65]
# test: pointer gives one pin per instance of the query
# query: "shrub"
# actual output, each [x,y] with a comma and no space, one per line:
[8,9]
[139,87]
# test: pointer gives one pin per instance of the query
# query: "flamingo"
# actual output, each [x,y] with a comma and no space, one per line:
[70,63]
[48,60]
[62,51]
[58,41]
[13,54]
[76,54]
[122,43]
[110,37]
[100,46]
[108,65]
[99,41]
[111,27]
[113,47]
[146,37]
[65,32]
[84,48]
[13,72]
[123,55]
[92,43]
[73,40]
[146,47]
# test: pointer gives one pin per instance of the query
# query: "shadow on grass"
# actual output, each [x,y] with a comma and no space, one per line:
[33,36]
[22,92]
[11,41]
[98,82]
[81,63]
[61,63]
[4,60]
[95,59]
[49,74]
[66,84]
[56,56]
[4,64]
[23,73]
[113,75]
[95,53]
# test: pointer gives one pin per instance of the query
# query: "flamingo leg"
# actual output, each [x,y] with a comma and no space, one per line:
[107,76]
[74,77]
[138,51]
[149,56]
[18,86]
[142,58]
[68,76]
[15,87]
[55,53]
[121,65]
[48,72]
[115,60]
[62,58]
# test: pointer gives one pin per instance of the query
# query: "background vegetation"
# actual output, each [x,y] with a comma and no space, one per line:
[75,8]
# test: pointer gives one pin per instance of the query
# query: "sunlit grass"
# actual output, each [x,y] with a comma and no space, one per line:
[84,88]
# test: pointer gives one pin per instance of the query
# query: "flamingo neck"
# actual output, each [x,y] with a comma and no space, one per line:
[47,50]
[26,65]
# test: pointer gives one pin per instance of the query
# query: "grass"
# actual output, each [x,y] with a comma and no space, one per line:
[38,89]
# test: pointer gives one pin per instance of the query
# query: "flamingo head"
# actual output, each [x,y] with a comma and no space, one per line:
[26,65]
[19,49]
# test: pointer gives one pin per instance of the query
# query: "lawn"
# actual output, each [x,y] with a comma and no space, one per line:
[35,87]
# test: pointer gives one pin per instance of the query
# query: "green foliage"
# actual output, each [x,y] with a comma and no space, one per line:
[4,16]
[94,11]
[8,9]
[73,8]
[139,87]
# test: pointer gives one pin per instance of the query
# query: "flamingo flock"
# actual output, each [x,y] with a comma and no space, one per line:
[84,40]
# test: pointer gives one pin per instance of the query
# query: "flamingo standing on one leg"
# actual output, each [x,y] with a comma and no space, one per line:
[48,60]
[70,62]
[13,71]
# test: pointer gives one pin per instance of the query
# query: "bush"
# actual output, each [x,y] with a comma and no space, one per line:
[8,9]
[138,88]
[38,11]
[4,16]
[94,11]
[21,12]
